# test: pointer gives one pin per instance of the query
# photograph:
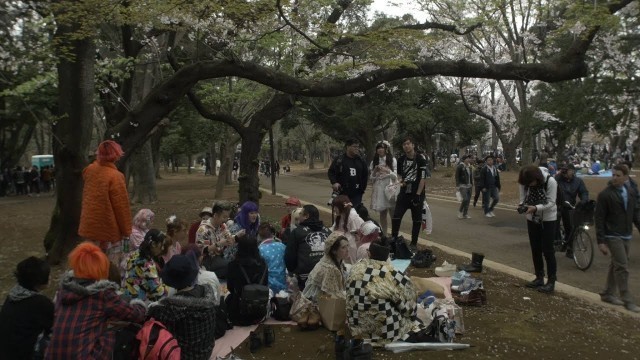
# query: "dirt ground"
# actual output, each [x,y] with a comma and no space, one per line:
[516,323]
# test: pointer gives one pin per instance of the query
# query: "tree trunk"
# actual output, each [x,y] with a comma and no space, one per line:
[310,162]
[248,179]
[73,135]
[143,172]
[225,169]
[155,141]
[509,149]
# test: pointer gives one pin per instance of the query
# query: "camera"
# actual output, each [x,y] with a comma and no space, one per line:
[522,208]
[333,196]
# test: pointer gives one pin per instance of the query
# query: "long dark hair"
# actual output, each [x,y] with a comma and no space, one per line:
[388,156]
[248,250]
[530,173]
[153,236]
[335,246]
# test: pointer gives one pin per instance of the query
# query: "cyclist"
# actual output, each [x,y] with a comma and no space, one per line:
[571,187]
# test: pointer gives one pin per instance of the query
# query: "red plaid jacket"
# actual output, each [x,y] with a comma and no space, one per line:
[82,311]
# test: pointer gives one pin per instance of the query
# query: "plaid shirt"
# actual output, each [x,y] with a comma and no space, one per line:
[82,311]
[190,317]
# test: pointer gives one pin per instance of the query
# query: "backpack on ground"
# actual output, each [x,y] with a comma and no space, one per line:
[254,299]
[222,320]
[157,343]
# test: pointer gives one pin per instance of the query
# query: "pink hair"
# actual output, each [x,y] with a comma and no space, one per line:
[109,151]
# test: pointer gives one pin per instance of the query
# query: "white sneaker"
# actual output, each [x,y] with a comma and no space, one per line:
[467,217]
[460,216]
[492,214]
[487,215]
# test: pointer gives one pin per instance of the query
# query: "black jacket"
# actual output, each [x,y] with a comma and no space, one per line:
[412,171]
[236,281]
[23,317]
[351,173]
[305,247]
[611,217]
[487,180]
[462,176]
[190,317]
[572,188]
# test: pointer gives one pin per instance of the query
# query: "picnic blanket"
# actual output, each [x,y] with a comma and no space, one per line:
[234,337]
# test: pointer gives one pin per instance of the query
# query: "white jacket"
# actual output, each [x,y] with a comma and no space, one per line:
[548,210]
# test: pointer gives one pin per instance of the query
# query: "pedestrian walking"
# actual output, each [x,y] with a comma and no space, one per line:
[464,184]
[384,170]
[490,185]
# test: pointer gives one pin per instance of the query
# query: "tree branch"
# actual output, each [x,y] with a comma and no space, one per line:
[427,25]
[480,113]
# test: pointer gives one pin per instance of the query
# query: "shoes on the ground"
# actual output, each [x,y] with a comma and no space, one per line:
[269,336]
[537,282]
[547,288]
[413,247]
[569,254]
[360,351]
[460,216]
[611,299]
[467,217]
[492,214]
[254,342]
[487,215]
[632,307]
[445,270]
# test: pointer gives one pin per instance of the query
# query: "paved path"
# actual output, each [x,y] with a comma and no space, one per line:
[502,239]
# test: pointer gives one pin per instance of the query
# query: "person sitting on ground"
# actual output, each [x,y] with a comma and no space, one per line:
[205,214]
[272,251]
[141,224]
[26,313]
[327,277]
[218,245]
[176,235]
[190,313]
[141,279]
[306,246]
[367,233]
[347,221]
[205,277]
[247,219]
[292,203]
[85,305]
[295,220]
[248,264]
[379,295]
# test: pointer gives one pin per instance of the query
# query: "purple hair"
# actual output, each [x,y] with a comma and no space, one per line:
[242,218]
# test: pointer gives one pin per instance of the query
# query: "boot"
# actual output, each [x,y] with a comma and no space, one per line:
[476,263]
[254,342]
[314,319]
[360,351]
[536,283]
[548,287]
[269,336]
[341,348]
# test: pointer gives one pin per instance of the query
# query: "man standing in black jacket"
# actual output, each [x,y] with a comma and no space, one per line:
[349,173]
[616,211]
[490,185]
[412,171]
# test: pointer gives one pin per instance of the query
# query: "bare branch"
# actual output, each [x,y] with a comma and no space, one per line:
[433,25]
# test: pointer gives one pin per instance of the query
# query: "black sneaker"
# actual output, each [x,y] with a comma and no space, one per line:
[360,351]
[341,348]
[569,253]
[537,282]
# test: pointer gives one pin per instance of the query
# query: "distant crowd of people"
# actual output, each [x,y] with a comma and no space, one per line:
[27,181]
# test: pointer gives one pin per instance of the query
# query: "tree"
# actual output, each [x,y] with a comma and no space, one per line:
[334,68]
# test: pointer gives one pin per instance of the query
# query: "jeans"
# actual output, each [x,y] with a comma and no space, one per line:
[466,199]
[356,199]
[618,275]
[493,193]
[477,195]
[403,203]
[541,242]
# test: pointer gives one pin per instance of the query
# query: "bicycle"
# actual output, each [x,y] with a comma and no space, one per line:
[581,217]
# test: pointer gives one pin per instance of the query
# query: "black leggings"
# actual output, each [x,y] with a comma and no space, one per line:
[541,241]
[403,203]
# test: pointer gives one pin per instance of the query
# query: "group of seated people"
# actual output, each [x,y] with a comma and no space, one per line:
[175,277]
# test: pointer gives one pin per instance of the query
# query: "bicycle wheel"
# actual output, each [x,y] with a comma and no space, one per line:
[582,249]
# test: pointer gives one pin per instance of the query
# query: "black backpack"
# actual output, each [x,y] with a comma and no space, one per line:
[222,320]
[254,299]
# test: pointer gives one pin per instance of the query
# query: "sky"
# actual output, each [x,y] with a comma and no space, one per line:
[403,7]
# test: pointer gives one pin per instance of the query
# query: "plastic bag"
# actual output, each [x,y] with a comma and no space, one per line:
[391,191]
[427,220]
[458,195]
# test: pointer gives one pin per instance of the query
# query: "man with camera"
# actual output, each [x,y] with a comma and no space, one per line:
[571,187]
[349,173]
[412,171]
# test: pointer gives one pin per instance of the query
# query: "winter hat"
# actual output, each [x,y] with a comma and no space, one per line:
[180,272]
[89,262]
[293,201]
[109,151]
[206,211]
[368,227]
[379,251]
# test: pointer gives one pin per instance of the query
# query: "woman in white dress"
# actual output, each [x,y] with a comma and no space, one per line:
[383,170]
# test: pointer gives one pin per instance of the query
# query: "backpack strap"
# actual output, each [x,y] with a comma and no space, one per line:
[264,273]
[244,273]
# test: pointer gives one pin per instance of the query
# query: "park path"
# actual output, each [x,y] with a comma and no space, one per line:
[502,239]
